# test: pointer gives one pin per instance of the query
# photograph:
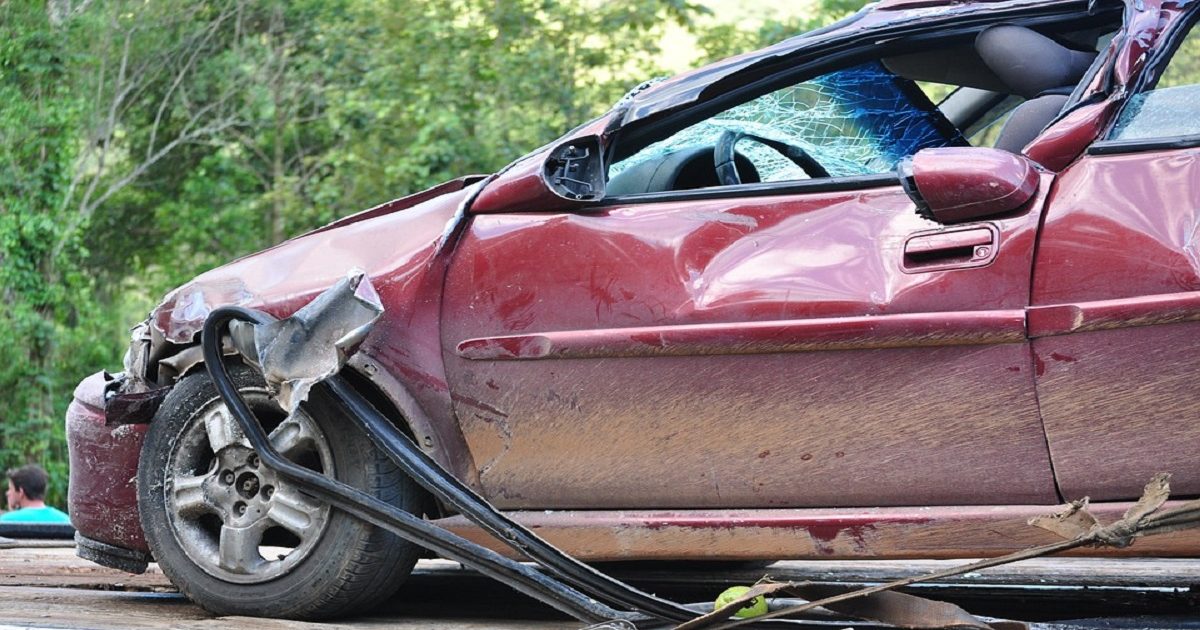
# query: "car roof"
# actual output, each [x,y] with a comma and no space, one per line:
[879,16]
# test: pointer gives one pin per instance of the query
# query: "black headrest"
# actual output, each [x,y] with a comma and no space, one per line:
[1028,62]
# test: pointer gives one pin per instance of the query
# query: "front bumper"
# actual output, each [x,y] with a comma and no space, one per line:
[102,496]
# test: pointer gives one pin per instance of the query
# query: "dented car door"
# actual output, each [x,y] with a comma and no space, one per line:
[1117,285]
[798,340]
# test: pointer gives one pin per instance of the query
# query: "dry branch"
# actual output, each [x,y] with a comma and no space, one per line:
[1074,522]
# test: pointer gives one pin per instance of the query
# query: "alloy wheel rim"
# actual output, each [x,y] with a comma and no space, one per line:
[232,516]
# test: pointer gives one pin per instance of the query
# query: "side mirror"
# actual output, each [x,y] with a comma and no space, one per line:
[575,169]
[560,179]
[959,184]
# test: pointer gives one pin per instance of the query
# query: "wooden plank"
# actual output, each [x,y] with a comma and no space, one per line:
[1177,573]
[59,566]
[31,607]
[442,595]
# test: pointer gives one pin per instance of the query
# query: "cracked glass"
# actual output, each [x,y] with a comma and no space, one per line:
[1170,109]
[857,121]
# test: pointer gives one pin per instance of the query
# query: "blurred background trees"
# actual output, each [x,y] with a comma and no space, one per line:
[142,143]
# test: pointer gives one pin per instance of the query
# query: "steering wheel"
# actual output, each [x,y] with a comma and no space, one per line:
[724,153]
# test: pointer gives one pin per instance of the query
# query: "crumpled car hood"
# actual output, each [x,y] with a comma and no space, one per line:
[283,278]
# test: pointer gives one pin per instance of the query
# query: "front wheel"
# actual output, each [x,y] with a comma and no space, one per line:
[239,540]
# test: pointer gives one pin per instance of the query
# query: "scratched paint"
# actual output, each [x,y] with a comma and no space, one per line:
[1117,289]
[686,344]
[797,534]
[102,492]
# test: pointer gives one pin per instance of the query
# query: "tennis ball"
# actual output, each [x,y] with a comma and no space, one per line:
[756,606]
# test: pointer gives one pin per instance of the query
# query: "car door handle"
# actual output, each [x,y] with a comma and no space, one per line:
[955,248]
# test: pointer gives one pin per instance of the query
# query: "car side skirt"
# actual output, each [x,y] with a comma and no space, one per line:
[811,534]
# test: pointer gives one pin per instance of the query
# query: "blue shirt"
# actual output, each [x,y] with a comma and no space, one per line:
[45,514]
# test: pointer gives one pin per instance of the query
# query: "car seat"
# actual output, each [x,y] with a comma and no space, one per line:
[1035,67]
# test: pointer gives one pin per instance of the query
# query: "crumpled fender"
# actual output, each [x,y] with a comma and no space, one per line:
[404,254]
[383,241]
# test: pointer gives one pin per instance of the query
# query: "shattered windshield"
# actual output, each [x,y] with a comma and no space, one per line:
[1168,110]
[857,121]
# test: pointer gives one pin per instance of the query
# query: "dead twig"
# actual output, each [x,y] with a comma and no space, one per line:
[1075,523]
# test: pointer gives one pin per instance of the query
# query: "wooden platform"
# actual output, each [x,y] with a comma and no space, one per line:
[46,586]
[1044,572]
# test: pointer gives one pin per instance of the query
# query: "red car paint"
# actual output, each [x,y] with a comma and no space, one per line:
[1119,253]
[104,459]
[965,184]
[404,251]
[669,365]
[715,280]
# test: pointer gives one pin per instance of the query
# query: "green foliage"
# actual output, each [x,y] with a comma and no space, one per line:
[142,143]
[723,40]
[490,82]
[44,296]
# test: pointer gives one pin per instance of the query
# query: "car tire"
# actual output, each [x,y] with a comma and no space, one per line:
[238,540]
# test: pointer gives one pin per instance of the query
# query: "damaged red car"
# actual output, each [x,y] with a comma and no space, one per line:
[789,305]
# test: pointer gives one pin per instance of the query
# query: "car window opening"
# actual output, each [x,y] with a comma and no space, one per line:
[1000,90]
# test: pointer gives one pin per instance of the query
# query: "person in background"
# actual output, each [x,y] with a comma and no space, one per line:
[26,491]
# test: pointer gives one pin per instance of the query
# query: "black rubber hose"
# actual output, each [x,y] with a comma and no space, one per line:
[434,478]
[413,461]
[54,531]
[520,577]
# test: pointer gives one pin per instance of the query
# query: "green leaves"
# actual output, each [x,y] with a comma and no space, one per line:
[46,302]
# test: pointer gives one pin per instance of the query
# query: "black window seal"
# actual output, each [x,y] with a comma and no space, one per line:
[768,189]
[1121,147]
[1158,62]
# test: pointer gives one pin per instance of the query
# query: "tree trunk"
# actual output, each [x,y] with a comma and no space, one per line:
[278,100]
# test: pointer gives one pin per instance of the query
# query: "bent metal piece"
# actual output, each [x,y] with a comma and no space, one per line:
[300,351]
